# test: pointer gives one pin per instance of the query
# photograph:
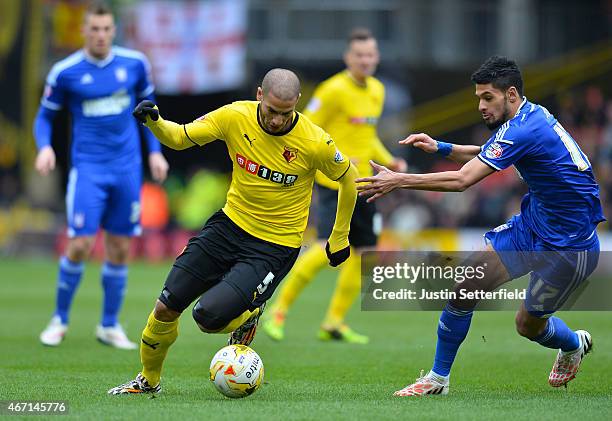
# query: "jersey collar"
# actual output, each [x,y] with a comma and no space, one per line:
[295,120]
[99,62]
[518,111]
[355,81]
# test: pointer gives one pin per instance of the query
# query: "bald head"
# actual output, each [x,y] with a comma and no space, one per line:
[282,83]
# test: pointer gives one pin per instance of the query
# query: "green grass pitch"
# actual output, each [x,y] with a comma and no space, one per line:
[497,375]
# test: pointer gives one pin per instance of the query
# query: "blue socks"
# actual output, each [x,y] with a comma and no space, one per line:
[557,335]
[68,280]
[114,279]
[454,325]
[452,330]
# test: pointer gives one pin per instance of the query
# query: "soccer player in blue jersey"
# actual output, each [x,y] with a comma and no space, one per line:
[100,85]
[554,237]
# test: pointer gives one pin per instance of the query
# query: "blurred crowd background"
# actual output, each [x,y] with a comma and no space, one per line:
[206,53]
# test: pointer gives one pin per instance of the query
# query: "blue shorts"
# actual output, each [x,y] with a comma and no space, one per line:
[555,272]
[107,200]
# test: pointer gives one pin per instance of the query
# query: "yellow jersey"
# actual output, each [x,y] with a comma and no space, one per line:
[349,112]
[273,175]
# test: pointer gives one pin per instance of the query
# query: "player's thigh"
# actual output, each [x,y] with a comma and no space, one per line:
[513,242]
[182,287]
[122,211]
[326,211]
[117,248]
[363,233]
[202,264]
[259,271]
[556,276]
[86,195]
[79,248]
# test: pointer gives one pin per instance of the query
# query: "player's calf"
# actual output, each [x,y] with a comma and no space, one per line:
[527,325]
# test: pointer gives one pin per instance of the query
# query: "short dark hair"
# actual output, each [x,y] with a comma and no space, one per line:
[360,34]
[501,72]
[98,8]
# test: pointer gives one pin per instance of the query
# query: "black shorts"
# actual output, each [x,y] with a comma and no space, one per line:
[225,253]
[362,223]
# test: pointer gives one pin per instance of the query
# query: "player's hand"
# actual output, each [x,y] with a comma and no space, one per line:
[45,160]
[337,257]
[158,166]
[422,141]
[398,165]
[144,109]
[383,182]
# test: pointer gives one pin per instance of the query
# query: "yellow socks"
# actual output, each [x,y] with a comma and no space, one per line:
[347,289]
[238,321]
[304,271]
[157,337]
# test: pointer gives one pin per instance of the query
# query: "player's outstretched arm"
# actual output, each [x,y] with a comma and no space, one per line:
[169,133]
[458,153]
[386,181]
[338,248]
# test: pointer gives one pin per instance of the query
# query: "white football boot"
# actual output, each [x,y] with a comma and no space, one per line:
[138,385]
[424,385]
[54,333]
[114,336]
[567,363]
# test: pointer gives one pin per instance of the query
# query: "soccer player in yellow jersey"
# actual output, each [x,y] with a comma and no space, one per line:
[234,265]
[348,106]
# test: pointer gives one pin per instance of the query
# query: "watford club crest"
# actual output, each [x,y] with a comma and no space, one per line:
[290,154]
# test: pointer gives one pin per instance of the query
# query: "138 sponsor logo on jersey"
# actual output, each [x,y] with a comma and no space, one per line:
[264,172]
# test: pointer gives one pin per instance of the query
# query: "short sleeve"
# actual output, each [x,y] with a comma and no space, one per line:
[54,95]
[145,86]
[330,161]
[505,147]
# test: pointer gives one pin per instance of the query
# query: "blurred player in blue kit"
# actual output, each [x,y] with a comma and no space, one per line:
[100,85]
[554,237]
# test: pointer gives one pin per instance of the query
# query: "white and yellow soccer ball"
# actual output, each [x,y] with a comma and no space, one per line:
[236,371]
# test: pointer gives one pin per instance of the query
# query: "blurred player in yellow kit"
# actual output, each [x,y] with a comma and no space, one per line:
[348,106]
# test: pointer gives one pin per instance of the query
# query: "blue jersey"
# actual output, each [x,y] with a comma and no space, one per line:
[562,206]
[100,95]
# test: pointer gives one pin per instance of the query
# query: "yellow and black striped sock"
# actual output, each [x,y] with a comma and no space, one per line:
[157,337]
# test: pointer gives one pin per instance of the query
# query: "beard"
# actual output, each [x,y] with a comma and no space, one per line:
[493,125]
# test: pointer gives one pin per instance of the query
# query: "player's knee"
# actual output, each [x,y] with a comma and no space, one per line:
[117,249]
[165,314]
[528,326]
[208,320]
[78,248]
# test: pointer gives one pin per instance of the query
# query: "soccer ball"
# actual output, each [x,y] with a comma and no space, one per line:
[236,371]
